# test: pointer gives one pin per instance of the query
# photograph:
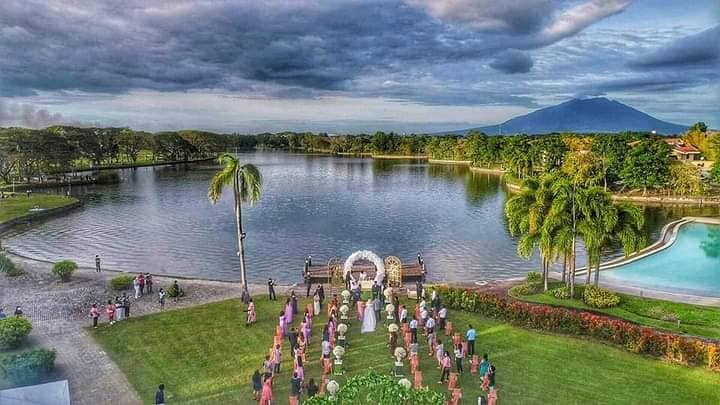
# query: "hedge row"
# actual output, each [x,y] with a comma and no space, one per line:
[637,339]
[27,367]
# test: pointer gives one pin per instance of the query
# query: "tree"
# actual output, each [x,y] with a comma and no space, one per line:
[610,150]
[526,213]
[130,143]
[583,167]
[246,181]
[685,179]
[647,165]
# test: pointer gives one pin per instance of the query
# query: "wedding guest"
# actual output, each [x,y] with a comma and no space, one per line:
[257,385]
[282,323]
[267,396]
[294,303]
[119,309]
[141,281]
[277,359]
[110,311]
[97,263]
[295,386]
[439,350]
[322,295]
[316,302]
[293,338]
[126,304]
[376,308]
[403,314]
[136,287]
[94,314]
[484,365]
[250,313]
[470,335]
[2,313]
[161,299]
[288,311]
[459,355]
[442,314]
[413,330]
[160,395]
[148,283]
[268,367]
[271,289]
[445,366]
[360,306]
[312,388]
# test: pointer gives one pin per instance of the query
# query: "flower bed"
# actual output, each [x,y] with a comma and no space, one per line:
[637,339]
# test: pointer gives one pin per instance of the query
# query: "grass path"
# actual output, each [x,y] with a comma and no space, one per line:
[205,354]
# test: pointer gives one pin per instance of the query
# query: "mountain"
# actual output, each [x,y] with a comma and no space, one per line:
[581,116]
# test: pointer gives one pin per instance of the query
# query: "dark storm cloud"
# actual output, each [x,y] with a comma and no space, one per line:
[700,49]
[271,48]
[512,61]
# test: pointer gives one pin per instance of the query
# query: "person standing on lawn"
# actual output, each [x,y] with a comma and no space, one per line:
[250,313]
[413,330]
[160,395]
[110,311]
[442,314]
[470,335]
[445,366]
[126,304]
[162,296]
[459,355]
[295,387]
[294,302]
[271,289]
[148,283]
[94,314]
[277,359]
[257,385]
[141,281]
[136,287]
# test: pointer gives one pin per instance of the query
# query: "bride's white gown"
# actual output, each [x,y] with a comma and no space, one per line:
[369,320]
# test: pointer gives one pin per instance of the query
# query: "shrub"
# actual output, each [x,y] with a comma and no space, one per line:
[28,366]
[121,282]
[562,293]
[8,267]
[13,331]
[534,277]
[64,269]
[527,288]
[634,338]
[174,292]
[600,298]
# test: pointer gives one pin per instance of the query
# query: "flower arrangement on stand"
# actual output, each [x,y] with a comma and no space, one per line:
[345,295]
[342,330]
[344,309]
[390,311]
[339,353]
[400,354]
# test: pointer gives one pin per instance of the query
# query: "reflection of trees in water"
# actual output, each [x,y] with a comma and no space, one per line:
[448,171]
[711,246]
[480,186]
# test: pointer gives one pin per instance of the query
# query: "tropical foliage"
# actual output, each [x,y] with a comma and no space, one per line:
[27,367]
[379,389]
[246,182]
[64,269]
[634,338]
[13,331]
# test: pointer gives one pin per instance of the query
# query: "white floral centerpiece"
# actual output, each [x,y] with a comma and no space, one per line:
[344,311]
[400,354]
[388,293]
[339,353]
[342,330]
[390,310]
[345,294]
[332,388]
[393,328]
[404,382]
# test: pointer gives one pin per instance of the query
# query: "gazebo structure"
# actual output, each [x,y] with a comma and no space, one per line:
[390,269]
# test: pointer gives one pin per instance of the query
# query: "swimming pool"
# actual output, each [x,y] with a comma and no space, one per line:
[691,265]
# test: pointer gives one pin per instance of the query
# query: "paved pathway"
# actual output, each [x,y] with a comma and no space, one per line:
[59,312]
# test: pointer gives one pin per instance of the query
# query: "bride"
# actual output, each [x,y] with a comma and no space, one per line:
[368,324]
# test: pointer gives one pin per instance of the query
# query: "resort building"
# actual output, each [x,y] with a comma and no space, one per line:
[682,150]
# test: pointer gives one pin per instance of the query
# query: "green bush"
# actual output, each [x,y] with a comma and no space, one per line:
[599,297]
[173,292]
[13,331]
[28,366]
[562,293]
[122,282]
[8,267]
[534,277]
[64,269]
[527,288]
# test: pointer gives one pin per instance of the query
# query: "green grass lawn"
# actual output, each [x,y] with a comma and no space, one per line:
[20,205]
[206,355]
[694,319]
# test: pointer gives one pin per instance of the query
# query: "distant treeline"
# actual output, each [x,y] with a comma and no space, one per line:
[633,159]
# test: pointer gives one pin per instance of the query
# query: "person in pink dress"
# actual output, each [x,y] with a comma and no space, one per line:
[250,313]
[282,323]
[360,310]
[267,396]
[288,312]
[305,332]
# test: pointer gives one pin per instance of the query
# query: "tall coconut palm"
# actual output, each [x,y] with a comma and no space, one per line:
[246,181]
[599,218]
[526,214]
[628,231]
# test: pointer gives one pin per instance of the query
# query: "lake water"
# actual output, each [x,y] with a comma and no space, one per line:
[159,220]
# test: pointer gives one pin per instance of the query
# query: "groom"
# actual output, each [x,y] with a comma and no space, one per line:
[376,308]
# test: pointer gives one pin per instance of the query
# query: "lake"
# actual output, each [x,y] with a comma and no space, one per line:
[159,219]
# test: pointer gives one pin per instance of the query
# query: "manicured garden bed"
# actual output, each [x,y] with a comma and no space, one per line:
[207,355]
[694,319]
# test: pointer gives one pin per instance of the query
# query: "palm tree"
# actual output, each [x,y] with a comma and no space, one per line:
[599,218]
[526,214]
[628,231]
[246,181]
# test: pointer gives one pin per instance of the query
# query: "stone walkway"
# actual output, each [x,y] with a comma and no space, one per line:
[59,313]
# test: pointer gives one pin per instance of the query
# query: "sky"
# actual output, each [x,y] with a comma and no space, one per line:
[352,66]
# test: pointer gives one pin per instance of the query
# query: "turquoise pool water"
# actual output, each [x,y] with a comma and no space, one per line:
[691,265]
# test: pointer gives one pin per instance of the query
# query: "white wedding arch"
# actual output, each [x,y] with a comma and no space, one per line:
[365,255]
